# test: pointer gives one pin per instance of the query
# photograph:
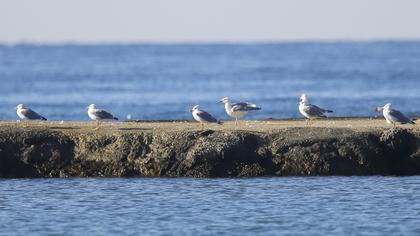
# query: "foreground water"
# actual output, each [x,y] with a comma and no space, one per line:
[263,206]
[164,81]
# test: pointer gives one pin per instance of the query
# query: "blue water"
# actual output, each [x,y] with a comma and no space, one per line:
[257,206]
[164,81]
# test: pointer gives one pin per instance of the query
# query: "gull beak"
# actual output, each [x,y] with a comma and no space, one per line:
[191,110]
[378,109]
[221,101]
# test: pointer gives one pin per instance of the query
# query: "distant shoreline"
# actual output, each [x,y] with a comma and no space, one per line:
[212,43]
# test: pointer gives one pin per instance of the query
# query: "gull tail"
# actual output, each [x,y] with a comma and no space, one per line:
[219,122]
[43,118]
[329,111]
[115,118]
[253,107]
[412,122]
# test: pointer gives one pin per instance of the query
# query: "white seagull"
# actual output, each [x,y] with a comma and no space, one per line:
[98,115]
[25,113]
[310,111]
[203,116]
[393,116]
[238,110]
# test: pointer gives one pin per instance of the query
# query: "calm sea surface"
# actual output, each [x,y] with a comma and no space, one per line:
[164,81]
[257,206]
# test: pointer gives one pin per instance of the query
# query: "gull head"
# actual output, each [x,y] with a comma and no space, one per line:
[91,106]
[20,106]
[303,98]
[225,100]
[194,108]
[387,106]
[379,109]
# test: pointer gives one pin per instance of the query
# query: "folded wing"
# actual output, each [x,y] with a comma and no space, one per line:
[244,106]
[206,117]
[31,115]
[315,111]
[400,117]
[103,115]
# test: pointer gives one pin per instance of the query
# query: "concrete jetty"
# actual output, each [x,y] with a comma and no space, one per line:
[335,146]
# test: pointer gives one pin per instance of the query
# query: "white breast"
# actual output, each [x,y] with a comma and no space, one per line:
[19,113]
[234,114]
[389,119]
[91,115]
[302,111]
[196,117]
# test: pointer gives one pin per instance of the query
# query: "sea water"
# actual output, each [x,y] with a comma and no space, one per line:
[183,206]
[152,81]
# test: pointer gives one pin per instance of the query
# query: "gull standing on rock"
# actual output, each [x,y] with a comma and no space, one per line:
[203,116]
[238,110]
[393,116]
[310,111]
[25,113]
[98,115]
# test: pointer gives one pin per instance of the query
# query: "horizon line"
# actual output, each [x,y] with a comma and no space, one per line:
[205,42]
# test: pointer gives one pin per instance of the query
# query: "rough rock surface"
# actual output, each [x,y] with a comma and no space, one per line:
[302,151]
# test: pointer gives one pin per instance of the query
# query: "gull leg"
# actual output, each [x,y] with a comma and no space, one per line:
[236,121]
[97,125]
[202,126]
[309,123]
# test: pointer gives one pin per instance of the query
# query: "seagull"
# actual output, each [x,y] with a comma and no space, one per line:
[393,116]
[98,115]
[25,113]
[238,110]
[310,111]
[203,116]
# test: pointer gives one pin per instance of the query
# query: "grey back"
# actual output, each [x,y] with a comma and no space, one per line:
[206,116]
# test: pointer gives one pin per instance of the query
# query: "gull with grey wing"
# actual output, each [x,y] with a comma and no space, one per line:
[98,115]
[238,110]
[203,116]
[311,111]
[393,116]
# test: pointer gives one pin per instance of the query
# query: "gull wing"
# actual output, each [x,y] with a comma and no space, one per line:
[244,106]
[313,110]
[31,115]
[400,117]
[103,115]
[206,116]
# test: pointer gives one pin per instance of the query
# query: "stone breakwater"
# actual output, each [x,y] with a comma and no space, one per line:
[180,149]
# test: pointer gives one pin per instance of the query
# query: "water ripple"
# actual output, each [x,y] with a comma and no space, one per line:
[262,206]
